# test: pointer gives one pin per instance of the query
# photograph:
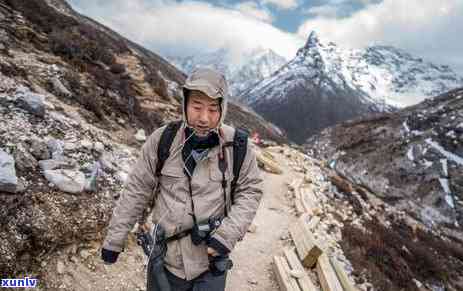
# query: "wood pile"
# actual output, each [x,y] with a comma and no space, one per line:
[267,162]
[311,254]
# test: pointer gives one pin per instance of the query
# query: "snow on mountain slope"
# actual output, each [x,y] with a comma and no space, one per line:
[387,75]
[325,84]
[242,74]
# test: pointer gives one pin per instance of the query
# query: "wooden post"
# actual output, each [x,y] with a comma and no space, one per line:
[306,245]
[285,280]
[343,278]
[326,274]
[304,282]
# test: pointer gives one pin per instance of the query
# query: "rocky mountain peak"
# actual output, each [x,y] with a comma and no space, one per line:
[313,40]
[377,78]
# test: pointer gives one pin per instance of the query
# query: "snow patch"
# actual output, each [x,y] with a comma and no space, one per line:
[427,164]
[444,167]
[407,129]
[410,154]
[447,154]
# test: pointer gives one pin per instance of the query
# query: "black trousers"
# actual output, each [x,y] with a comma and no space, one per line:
[204,282]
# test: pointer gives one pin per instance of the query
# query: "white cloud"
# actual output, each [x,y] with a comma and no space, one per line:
[426,27]
[190,27]
[328,11]
[283,4]
[252,9]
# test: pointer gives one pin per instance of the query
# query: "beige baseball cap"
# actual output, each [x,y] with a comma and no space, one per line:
[210,82]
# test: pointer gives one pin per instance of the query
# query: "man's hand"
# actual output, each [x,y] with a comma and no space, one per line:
[212,252]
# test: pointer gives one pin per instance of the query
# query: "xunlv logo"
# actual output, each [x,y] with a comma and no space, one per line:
[12,283]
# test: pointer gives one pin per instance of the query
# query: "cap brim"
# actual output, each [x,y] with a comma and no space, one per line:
[205,88]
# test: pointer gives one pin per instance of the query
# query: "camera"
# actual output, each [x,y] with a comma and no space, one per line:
[201,231]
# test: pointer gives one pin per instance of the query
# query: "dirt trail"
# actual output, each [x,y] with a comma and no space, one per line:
[253,256]
[82,269]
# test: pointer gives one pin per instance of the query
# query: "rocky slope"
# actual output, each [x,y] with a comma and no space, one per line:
[251,68]
[412,160]
[325,84]
[77,100]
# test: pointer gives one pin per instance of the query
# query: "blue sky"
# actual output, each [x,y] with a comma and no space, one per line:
[426,28]
[291,15]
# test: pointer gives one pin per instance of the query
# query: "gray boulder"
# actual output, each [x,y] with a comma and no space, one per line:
[91,184]
[59,88]
[31,102]
[86,145]
[121,176]
[39,149]
[56,147]
[108,163]
[66,180]
[99,147]
[8,179]
[24,160]
[140,135]
[58,163]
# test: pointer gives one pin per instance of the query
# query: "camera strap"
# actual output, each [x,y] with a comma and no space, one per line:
[223,168]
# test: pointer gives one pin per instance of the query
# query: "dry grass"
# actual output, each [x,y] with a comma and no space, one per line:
[394,256]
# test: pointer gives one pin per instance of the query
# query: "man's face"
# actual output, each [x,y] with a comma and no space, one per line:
[203,113]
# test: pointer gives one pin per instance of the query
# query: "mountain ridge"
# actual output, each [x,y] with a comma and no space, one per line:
[352,82]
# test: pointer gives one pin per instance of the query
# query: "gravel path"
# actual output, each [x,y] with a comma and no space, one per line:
[253,256]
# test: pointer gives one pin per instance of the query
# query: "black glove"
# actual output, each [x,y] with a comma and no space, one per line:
[109,257]
[218,246]
[218,265]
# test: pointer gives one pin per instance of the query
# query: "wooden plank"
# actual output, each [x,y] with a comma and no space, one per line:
[306,245]
[310,221]
[342,276]
[295,184]
[297,203]
[314,221]
[304,282]
[309,200]
[326,275]
[285,280]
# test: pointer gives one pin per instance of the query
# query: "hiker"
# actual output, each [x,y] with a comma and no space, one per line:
[205,183]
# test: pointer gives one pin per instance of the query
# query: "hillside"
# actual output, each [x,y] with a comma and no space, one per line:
[77,101]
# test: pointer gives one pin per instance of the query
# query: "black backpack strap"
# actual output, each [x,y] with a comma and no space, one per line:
[165,143]
[240,146]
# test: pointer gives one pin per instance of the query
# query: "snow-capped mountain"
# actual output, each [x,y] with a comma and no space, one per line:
[385,73]
[326,84]
[241,74]
[308,94]
[395,76]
